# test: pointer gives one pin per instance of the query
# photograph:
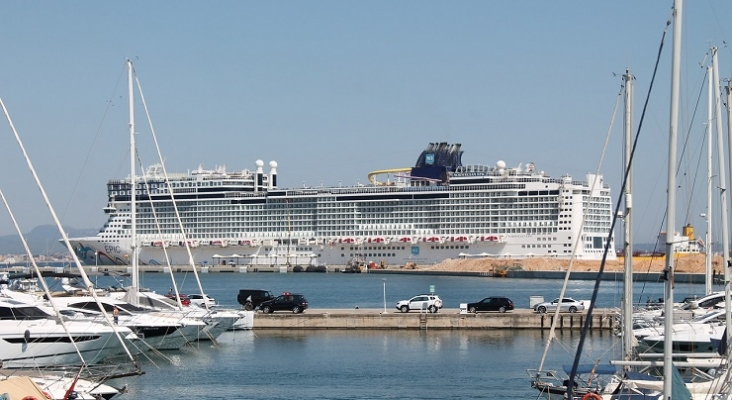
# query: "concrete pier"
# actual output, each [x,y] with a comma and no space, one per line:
[604,319]
[243,269]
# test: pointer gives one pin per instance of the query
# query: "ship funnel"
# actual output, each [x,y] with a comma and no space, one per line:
[272,184]
[258,175]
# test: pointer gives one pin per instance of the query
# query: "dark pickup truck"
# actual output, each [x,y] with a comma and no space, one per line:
[252,298]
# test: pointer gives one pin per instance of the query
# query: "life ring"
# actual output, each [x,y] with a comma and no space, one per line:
[591,396]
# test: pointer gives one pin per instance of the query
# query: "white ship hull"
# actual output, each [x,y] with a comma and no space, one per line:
[393,254]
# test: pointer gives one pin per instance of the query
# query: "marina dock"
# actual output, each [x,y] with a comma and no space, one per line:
[602,319]
[244,269]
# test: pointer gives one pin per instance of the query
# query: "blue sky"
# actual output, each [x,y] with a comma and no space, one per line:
[332,90]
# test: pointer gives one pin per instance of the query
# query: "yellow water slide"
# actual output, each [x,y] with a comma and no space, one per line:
[373,174]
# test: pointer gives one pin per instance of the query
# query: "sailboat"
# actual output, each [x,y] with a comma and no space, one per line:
[670,384]
[596,380]
[90,335]
[215,322]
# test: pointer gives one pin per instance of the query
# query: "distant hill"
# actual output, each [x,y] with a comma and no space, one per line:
[42,239]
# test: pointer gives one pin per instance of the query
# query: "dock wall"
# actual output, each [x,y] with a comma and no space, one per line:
[242,269]
[445,319]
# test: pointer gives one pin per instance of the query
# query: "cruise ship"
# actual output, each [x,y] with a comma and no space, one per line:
[436,210]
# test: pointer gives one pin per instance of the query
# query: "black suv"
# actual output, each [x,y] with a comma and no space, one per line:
[287,301]
[500,304]
[252,298]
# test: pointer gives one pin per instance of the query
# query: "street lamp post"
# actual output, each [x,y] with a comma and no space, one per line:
[384,280]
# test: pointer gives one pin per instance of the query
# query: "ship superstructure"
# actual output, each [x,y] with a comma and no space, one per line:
[436,210]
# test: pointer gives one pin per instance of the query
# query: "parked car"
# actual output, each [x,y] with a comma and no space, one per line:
[252,298]
[427,302]
[183,298]
[287,301]
[202,300]
[500,304]
[568,304]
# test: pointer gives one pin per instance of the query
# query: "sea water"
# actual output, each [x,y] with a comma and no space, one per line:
[392,364]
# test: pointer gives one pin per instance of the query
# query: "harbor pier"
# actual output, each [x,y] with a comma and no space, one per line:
[602,319]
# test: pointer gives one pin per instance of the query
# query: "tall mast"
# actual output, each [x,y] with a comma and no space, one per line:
[628,236]
[722,176]
[133,190]
[708,216]
[727,287]
[671,201]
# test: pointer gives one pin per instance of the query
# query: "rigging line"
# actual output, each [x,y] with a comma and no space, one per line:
[91,147]
[579,237]
[663,220]
[46,290]
[170,190]
[164,246]
[598,279]
[721,29]
[686,143]
[61,230]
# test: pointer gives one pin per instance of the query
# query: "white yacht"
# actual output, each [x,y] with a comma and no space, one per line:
[158,330]
[217,321]
[32,337]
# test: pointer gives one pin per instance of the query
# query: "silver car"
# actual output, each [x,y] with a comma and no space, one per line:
[568,304]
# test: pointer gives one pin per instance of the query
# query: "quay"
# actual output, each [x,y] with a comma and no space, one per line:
[602,319]
[243,269]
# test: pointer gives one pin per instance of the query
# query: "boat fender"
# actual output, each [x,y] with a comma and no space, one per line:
[591,396]
[26,335]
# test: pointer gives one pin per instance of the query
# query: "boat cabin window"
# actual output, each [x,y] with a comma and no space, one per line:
[22,313]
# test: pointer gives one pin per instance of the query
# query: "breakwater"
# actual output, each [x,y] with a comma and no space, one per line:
[367,319]
[242,269]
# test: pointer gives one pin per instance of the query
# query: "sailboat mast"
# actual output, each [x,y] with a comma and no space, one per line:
[628,245]
[671,200]
[722,176]
[708,216]
[727,286]
[133,188]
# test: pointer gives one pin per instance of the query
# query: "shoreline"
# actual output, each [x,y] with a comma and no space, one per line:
[533,268]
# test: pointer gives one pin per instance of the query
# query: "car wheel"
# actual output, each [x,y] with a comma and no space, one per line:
[473,310]
[249,306]
[502,309]
[573,309]
[296,310]
[542,310]
[433,309]
[404,308]
[266,309]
